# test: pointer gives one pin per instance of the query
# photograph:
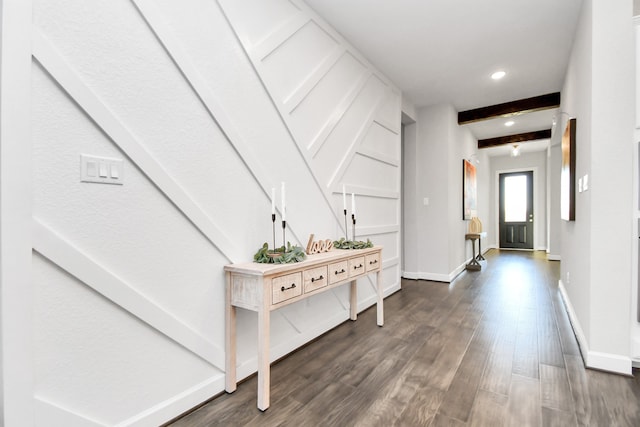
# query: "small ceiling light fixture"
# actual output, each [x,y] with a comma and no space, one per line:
[515,152]
[509,123]
[498,75]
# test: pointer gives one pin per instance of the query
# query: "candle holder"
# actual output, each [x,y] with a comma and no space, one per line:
[353,218]
[284,229]
[273,220]
[273,253]
[346,229]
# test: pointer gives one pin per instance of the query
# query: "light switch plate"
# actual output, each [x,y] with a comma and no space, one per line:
[579,185]
[101,170]
[585,182]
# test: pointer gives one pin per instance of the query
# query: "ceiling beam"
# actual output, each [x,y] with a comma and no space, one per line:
[513,108]
[513,139]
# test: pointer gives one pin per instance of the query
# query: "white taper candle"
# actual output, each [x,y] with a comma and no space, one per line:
[353,204]
[284,206]
[273,200]
[344,198]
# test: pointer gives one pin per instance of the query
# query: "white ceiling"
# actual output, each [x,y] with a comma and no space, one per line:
[444,51]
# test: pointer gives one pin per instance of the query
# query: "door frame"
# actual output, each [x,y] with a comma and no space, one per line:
[16,287]
[536,210]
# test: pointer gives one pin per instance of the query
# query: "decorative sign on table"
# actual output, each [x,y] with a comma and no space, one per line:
[319,246]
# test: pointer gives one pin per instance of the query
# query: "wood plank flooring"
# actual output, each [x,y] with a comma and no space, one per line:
[493,348]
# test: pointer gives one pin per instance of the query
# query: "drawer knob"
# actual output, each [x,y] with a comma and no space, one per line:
[375,261]
[293,285]
[355,267]
[313,279]
[339,272]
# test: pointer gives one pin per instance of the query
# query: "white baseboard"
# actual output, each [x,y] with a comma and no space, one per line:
[458,270]
[593,359]
[541,248]
[635,351]
[434,277]
[551,257]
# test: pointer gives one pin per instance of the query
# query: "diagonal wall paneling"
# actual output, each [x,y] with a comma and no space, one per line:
[209,99]
[70,81]
[342,114]
[315,80]
[75,262]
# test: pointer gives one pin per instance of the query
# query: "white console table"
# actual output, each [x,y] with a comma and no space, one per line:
[266,287]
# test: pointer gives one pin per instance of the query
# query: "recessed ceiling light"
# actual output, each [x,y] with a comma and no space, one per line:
[498,75]
[509,123]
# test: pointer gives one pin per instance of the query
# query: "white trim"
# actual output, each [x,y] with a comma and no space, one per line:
[391,127]
[536,204]
[279,36]
[436,277]
[380,157]
[360,190]
[552,257]
[609,362]
[573,318]
[378,229]
[593,359]
[341,108]
[300,93]
[16,287]
[458,270]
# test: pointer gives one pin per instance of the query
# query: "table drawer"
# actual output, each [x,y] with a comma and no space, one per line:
[338,272]
[356,266]
[315,278]
[286,287]
[372,261]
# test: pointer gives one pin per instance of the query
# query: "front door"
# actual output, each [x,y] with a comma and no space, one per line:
[516,210]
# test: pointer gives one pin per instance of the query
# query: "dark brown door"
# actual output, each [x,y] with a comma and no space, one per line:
[516,210]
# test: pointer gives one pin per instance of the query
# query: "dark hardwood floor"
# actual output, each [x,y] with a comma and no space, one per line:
[493,348]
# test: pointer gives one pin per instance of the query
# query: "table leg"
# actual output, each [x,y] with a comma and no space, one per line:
[264,369]
[480,257]
[230,340]
[353,300]
[473,264]
[380,303]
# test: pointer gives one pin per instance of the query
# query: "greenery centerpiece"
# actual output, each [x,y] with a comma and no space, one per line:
[280,255]
[352,244]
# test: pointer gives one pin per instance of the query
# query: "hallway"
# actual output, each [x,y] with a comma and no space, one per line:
[493,348]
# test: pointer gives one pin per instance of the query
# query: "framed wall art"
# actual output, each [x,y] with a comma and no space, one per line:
[568,173]
[469,190]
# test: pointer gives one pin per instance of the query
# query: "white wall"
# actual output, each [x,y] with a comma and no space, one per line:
[635,276]
[16,298]
[462,145]
[209,106]
[537,162]
[596,248]
[554,159]
[435,247]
